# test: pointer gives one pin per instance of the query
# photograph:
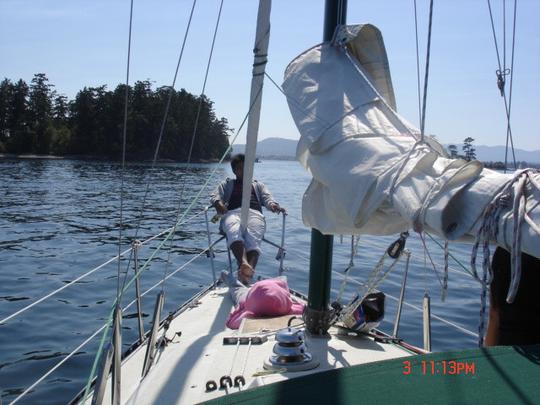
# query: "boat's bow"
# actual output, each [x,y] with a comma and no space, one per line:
[202,352]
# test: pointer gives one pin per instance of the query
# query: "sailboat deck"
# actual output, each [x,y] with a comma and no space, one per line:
[182,369]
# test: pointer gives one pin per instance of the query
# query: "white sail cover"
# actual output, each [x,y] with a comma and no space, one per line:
[371,175]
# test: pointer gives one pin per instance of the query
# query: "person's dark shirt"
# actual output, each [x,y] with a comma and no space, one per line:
[236,198]
[519,322]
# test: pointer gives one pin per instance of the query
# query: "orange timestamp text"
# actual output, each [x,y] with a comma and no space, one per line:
[439,367]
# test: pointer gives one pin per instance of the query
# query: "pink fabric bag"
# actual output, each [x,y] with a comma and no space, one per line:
[265,298]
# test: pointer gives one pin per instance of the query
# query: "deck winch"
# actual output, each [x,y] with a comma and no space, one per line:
[290,352]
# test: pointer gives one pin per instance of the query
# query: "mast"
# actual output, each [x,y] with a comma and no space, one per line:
[260,53]
[318,313]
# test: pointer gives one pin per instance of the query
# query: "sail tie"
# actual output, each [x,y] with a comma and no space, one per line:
[489,231]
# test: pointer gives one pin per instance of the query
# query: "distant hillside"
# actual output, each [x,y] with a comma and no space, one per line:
[280,148]
[496,154]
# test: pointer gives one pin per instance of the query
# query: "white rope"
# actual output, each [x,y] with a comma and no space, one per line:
[445,274]
[489,231]
[168,276]
[70,355]
[99,330]
[461,328]
[454,325]
[26,308]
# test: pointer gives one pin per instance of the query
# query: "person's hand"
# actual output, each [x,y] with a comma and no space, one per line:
[221,208]
[274,207]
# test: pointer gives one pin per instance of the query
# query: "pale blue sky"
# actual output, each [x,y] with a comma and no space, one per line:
[84,43]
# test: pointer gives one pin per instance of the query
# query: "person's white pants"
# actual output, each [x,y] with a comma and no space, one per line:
[256,226]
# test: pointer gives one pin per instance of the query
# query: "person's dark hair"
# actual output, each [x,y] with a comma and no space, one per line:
[237,159]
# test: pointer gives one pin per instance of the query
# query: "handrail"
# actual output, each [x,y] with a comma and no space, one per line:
[84,343]
[460,328]
[40,300]
[416,308]
[70,355]
[180,268]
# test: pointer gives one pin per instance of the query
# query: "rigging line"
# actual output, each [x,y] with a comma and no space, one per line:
[124,136]
[195,199]
[461,328]
[508,128]
[426,251]
[145,265]
[426,77]
[162,130]
[40,380]
[24,309]
[500,73]
[182,267]
[451,255]
[296,103]
[193,136]
[75,281]
[124,285]
[102,327]
[494,35]
[417,63]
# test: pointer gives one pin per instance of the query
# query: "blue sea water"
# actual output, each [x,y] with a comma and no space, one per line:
[60,218]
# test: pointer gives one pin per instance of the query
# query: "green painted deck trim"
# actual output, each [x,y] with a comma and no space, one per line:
[503,375]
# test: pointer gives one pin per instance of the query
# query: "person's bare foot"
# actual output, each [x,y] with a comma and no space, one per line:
[245,273]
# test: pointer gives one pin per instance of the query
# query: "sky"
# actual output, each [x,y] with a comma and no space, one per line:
[84,43]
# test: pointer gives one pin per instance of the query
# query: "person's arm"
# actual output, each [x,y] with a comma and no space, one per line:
[492,334]
[267,200]
[218,197]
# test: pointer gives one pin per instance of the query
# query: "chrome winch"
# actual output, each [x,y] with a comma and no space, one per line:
[290,352]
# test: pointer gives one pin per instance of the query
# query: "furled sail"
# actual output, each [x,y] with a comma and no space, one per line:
[372,172]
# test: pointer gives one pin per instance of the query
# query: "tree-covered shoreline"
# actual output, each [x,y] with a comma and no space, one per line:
[36,120]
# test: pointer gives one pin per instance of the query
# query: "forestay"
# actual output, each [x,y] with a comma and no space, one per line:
[372,174]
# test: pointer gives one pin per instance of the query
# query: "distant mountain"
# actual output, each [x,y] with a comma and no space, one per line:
[277,148]
[496,154]
[280,148]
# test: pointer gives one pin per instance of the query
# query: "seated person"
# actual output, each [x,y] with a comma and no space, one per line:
[227,199]
[517,323]
[265,298]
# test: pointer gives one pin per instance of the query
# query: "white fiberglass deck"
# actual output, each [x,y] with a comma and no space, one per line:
[182,369]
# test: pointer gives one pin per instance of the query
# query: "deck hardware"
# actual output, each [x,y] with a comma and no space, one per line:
[396,248]
[225,382]
[407,253]
[386,339]
[136,246]
[117,356]
[101,382]
[427,322]
[254,340]
[210,252]
[292,318]
[290,352]
[258,340]
[150,348]
[239,381]
[211,386]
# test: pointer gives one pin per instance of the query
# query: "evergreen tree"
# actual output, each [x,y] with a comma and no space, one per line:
[36,119]
[468,149]
[40,112]
[6,97]
[452,150]
[19,138]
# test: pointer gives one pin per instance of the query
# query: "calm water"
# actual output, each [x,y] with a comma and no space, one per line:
[59,219]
